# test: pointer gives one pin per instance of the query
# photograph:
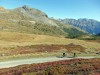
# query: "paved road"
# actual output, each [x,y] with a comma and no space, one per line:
[13,63]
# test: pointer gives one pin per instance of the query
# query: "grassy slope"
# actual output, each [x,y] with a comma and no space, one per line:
[9,41]
[32,27]
[14,38]
[16,20]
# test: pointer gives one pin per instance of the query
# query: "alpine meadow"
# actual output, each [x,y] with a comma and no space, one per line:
[32,42]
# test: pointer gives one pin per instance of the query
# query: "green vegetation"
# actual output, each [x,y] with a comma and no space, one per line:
[73,33]
[90,38]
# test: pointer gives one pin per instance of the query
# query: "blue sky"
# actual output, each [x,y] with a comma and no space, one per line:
[60,8]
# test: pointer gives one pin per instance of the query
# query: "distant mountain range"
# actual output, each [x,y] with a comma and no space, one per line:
[98,34]
[30,20]
[89,25]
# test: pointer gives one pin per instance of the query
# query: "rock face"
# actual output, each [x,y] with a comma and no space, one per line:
[89,25]
[36,15]
[33,11]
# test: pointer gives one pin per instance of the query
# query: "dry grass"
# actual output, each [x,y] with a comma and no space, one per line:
[9,39]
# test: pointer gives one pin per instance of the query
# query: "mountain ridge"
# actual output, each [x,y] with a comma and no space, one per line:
[90,25]
[30,20]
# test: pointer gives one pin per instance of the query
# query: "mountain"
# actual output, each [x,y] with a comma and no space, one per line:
[26,13]
[2,9]
[30,20]
[89,25]
[72,31]
[98,34]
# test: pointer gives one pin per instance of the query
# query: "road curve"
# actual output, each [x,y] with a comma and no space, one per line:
[13,63]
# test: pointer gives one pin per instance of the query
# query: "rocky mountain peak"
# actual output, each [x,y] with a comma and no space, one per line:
[26,7]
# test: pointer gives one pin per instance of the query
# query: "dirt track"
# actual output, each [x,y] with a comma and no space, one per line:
[13,63]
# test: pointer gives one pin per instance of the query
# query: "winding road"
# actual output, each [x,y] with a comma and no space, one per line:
[13,63]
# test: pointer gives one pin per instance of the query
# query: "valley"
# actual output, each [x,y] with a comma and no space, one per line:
[31,43]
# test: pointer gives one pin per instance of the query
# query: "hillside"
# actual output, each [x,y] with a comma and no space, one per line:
[14,45]
[73,32]
[89,25]
[2,9]
[30,20]
[11,40]
[98,34]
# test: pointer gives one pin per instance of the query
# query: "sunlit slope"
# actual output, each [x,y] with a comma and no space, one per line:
[33,21]
[8,39]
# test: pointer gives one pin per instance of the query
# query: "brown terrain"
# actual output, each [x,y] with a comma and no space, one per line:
[64,67]
[44,48]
